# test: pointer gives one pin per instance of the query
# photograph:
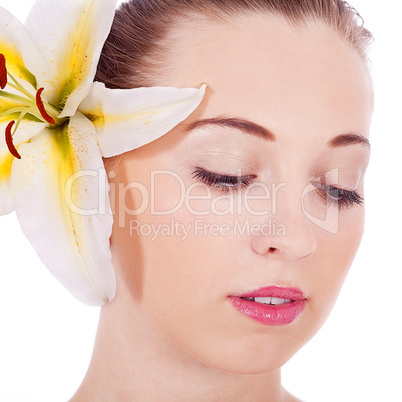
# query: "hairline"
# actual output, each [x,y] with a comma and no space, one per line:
[194,22]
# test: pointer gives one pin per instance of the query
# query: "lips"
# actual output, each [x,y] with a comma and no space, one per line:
[271,305]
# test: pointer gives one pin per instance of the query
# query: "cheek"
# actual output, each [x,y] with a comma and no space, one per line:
[346,242]
[188,271]
[183,285]
[185,257]
[335,254]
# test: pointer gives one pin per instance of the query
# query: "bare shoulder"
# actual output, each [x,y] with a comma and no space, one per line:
[287,397]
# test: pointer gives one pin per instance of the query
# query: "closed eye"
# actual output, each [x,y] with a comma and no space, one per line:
[343,198]
[224,183]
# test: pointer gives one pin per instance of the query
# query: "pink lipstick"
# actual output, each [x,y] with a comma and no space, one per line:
[272,305]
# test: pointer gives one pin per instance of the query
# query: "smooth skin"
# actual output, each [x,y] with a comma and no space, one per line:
[171,333]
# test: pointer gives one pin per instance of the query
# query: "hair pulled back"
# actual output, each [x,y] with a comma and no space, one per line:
[134,50]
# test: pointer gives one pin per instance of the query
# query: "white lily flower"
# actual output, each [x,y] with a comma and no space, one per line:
[57,123]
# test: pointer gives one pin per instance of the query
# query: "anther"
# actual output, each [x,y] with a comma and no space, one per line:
[3,71]
[41,107]
[9,141]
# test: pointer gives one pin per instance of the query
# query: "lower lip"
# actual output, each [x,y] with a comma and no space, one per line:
[267,314]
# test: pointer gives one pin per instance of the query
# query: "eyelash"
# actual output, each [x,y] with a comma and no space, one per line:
[225,183]
[343,198]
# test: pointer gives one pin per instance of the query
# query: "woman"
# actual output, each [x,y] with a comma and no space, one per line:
[234,231]
[288,103]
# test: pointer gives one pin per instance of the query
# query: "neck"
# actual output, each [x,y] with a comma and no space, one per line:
[131,361]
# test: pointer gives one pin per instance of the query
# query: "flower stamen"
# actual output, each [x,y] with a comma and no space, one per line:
[41,107]
[19,87]
[9,141]
[3,71]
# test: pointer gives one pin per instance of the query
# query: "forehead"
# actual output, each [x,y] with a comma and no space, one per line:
[264,69]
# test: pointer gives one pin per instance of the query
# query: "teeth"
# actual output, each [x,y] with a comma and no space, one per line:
[265,300]
[271,300]
[277,300]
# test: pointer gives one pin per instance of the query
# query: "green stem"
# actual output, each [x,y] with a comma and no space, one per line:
[20,88]
[49,108]
[11,111]
[22,115]
[34,112]
[25,101]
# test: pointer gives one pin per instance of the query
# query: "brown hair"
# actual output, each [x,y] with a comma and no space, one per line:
[135,48]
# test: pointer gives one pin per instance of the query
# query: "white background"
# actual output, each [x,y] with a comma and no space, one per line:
[46,336]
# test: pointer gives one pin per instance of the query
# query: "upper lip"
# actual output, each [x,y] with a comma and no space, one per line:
[276,291]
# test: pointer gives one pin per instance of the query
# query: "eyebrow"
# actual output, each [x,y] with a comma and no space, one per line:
[251,128]
[233,122]
[345,140]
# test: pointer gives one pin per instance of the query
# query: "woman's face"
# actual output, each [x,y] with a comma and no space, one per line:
[241,199]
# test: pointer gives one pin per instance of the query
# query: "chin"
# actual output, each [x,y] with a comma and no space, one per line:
[252,357]
[247,366]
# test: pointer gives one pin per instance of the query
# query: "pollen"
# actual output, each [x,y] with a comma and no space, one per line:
[9,141]
[41,107]
[3,71]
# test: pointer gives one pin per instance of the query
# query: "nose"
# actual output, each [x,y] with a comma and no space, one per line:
[290,231]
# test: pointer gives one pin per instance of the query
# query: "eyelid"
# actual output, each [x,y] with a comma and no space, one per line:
[335,185]
[223,182]
[344,173]
[227,161]
[236,172]
[343,178]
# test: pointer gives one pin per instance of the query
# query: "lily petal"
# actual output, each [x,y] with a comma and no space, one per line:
[16,41]
[126,119]
[25,132]
[6,205]
[72,34]
[57,194]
